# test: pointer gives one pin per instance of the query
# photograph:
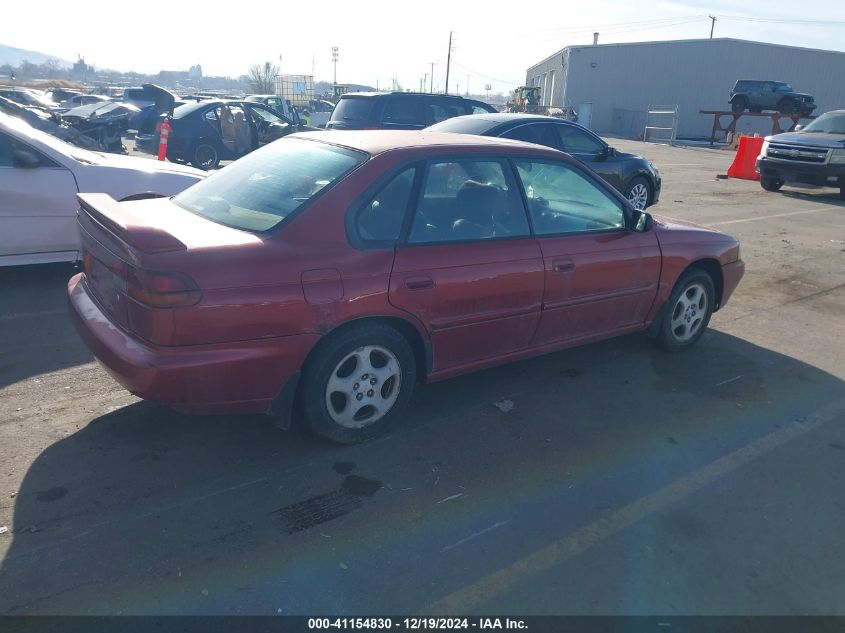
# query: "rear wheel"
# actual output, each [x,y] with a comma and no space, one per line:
[770,184]
[787,107]
[739,104]
[688,311]
[204,156]
[357,383]
[842,192]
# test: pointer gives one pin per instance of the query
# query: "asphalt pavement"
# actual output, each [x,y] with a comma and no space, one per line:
[624,481]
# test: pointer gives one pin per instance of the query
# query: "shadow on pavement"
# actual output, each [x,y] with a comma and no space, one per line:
[36,334]
[145,510]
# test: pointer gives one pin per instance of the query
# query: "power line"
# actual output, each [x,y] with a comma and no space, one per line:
[483,76]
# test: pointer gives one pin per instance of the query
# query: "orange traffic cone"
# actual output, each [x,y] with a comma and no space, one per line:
[746,158]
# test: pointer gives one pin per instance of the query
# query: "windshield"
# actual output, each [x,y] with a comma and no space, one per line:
[258,192]
[784,88]
[829,123]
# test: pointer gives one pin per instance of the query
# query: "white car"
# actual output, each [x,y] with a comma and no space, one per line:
[40,177]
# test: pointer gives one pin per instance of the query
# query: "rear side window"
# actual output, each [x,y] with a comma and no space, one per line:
[257,192]
[354,111]
[467,200]
[402,111]
[381,218]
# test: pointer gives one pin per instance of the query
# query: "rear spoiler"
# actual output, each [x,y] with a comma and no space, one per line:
[130,227]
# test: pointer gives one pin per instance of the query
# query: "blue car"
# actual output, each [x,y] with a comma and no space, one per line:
[206,132]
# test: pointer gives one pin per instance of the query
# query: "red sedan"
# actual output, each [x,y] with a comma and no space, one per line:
[330,272]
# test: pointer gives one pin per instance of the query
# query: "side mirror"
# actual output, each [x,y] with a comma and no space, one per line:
[798,128]
[642,222]
[24,159]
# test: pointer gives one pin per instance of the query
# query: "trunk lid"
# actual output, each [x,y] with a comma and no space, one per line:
[150,240]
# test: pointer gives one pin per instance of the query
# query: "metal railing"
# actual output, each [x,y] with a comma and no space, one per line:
[661,118]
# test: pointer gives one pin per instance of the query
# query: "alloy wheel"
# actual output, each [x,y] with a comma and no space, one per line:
[689,312]
[363,387]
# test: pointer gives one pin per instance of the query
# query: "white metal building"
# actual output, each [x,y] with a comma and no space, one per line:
[612,85]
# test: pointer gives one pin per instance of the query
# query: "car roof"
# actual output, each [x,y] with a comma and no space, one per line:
[373,95]
[380,141]
[485,122]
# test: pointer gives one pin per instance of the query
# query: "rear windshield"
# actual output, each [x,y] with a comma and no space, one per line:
[467,124]
[353,110]
[257,192]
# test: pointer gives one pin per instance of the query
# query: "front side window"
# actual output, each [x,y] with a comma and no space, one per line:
[467,200]
[380,220]
[563,200]
[257,192]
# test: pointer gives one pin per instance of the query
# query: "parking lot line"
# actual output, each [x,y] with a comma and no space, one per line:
[471,597]
[776,215]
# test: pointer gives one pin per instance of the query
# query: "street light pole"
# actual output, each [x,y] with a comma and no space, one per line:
[712,24]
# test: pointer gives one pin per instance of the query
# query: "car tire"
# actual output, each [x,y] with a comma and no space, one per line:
[739,104]
[205,156]
[842,192]
[687,312]
[357,383]
[639,192]
[770,184]
[787,107]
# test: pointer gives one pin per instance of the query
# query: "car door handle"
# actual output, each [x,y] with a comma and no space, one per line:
[563,266]
[419,283]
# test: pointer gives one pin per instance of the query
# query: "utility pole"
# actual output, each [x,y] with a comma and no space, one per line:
[467,85]
[334,61]
[432,77]
[448,61]
[712,24]
[425,81]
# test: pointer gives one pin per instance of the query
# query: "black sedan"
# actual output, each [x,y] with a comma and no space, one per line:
[635,177]
[206,132]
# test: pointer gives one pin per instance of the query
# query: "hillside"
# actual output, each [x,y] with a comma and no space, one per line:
[14,56]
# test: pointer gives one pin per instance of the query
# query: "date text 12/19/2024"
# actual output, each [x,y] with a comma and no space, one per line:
[418,624]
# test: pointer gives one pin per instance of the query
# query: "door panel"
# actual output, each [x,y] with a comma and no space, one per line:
[600,277]
[478,300]
[37,211]
[597,284]
[471,272]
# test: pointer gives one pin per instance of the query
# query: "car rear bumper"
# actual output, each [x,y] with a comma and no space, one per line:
[731,275]
[825,175]
[237,377]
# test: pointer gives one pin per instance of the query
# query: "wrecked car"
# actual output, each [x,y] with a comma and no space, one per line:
[104,122]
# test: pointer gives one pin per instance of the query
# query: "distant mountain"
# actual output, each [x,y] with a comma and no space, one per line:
[14,56]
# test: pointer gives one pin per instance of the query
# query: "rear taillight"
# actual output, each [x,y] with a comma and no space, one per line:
[155,288]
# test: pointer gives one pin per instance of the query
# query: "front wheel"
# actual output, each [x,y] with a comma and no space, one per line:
[638,192]
[787,107]
[770,184]
[357,383]
[688,311]
[738,105]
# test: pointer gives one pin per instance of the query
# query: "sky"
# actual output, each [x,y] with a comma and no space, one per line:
[378,41]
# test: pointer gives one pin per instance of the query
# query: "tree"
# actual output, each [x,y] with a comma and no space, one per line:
[262,78]
[52,67]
